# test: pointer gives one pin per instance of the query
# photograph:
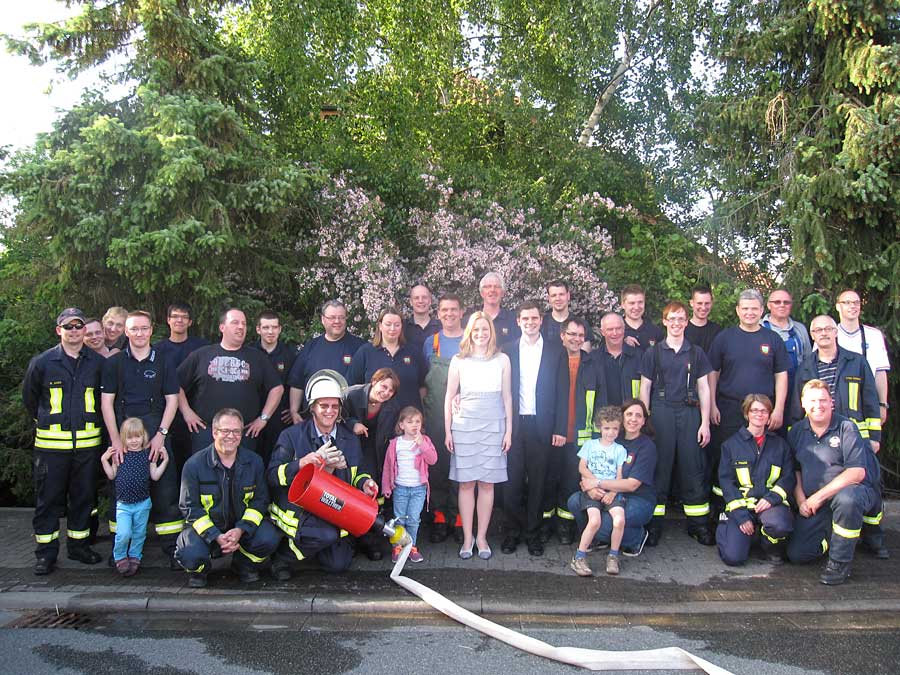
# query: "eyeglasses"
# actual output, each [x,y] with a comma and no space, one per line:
[179,317]
[230,432]
[137,330]
[328,406]
[75,325]
[823,329]
[758,411]
[570,334]
[676,319]
[850,303]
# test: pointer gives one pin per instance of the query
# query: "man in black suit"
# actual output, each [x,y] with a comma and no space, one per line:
[534,362]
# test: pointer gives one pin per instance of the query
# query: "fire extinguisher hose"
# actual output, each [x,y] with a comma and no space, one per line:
[667,658]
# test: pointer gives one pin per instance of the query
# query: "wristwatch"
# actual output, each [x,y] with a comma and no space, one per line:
[884,405]
[163,431]
[264,417]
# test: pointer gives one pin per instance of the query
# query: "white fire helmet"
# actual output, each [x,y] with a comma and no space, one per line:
[325,384]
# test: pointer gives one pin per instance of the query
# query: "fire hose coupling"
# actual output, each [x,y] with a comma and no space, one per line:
[396,533]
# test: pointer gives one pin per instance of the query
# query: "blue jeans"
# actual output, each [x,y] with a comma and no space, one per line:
[408,505]
[131,529]
[638,513]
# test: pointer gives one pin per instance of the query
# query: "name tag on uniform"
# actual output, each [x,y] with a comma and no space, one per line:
[834,441]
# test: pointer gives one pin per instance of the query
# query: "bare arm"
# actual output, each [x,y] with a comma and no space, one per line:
[193,421]
[714,415]
[703,433]
[273,398]
[646,384]
[847,477]
[452,389]
[296,398]
[107,407]
[110,466]
[881,385]
[781,387]
[158,441]
[157,470]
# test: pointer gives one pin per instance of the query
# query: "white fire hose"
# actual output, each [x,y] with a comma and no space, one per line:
[667,658]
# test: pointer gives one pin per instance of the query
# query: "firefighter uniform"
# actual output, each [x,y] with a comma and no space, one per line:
[836,527]
[674,406]
[621,373]
[62,395]
[589,395]
[854,392]
[748,472]
[140,388]
[215,499]
[307,535]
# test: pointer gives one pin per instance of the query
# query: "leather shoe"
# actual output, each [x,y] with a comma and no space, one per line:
[535,547]
[281,571]
[197,580]
[775,558]
[458,535]
[566,534]
[438,533]
[546,532]
[43,566]
[835,573]
[703,536]
[654,534]
[174,565]
[246,575]
[85,555]
[880,551]
[509,544]
[374,553]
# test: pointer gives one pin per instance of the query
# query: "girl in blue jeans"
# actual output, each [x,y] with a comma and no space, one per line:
[405,474]
[132,474]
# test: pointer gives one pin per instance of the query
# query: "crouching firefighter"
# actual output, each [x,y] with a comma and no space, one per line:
[223,499]
[323,440]
[837,485]
[756,475]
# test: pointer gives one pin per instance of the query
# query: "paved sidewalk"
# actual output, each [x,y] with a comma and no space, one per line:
[677,577]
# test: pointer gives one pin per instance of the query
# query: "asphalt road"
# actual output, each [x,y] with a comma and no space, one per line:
[391,645]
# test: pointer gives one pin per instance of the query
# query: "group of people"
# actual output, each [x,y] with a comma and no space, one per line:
[452,413]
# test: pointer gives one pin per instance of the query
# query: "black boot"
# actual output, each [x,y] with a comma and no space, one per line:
[835,573]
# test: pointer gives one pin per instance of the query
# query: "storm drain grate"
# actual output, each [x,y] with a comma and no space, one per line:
[51,618]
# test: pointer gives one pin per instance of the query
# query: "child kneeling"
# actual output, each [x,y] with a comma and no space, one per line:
[601,459]
[406,475]
[132,475]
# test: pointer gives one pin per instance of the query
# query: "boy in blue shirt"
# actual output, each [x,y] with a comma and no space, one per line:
[601,459]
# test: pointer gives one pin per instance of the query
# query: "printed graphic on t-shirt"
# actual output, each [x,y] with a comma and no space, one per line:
[228,369]
[602,463]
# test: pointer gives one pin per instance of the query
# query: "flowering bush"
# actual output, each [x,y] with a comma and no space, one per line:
[458,239]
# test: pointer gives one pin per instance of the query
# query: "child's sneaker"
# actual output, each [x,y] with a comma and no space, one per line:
[395,553]
[415,556]
[612,564]
[580,567]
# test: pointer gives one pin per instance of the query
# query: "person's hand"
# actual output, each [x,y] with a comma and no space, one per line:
[161,455]
[586,485]
[804,509]
[157,443]
[776,419]
[876,446]
[715,417]
[295,417]
[747,527]
[110,456]
[814,503]
[609,497]
[286,416]
[454,406]
[507,441]
[448,441]
[256,427]
[557,441]
[703,435]
[360,429]
[193,421]
[370,487]
[311,458]
[230,541]
[417,441]
[763,505]
[632,341]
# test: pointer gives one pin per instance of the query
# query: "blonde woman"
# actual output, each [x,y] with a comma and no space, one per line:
[478,429]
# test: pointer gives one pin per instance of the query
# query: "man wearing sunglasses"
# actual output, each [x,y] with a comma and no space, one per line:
[60,390]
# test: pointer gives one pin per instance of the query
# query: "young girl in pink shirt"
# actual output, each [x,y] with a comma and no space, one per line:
[405,475]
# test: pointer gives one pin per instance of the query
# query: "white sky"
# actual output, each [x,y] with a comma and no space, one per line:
[29,108]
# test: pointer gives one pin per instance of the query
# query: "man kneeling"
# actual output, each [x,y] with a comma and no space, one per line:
[836,484]
[223,498]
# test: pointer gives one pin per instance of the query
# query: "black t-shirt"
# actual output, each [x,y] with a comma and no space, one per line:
[177,352]
[673,369]
[640,463]
[282,359]
[647,335]
[415,335]
[320,353]
[747,362]
[702,336]
[214,378]
[551,328]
